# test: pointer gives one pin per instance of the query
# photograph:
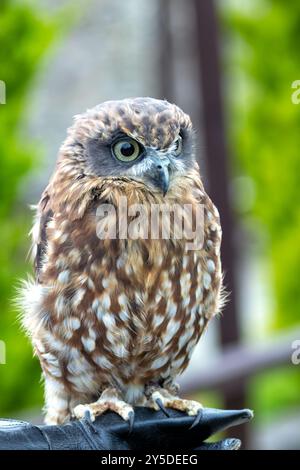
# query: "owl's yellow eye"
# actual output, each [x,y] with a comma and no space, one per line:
[126,150]
[178,146]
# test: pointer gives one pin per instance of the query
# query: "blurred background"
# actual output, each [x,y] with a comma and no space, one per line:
[230,65]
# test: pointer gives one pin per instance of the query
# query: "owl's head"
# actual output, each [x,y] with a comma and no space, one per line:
[143,139]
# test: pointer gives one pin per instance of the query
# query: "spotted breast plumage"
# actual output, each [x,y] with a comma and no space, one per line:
[114,317]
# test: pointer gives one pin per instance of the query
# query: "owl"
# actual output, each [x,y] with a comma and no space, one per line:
[115,316]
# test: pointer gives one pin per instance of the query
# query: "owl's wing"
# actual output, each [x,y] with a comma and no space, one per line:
[44,214]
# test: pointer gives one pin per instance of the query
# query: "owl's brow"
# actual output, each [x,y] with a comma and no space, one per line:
[115,136]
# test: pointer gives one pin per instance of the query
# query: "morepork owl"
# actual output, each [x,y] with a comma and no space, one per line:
[114,319]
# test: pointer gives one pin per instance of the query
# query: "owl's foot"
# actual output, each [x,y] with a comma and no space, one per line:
[109,401]
[163,399]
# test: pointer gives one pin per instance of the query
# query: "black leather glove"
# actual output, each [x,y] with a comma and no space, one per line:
[152,430]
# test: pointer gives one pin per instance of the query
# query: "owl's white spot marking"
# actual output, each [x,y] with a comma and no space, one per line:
[90,284]
[92,333]
[206,280]
[51,224]
[108,320]
[186,301]
[78,297]
[105,301]
[185,262]
[102,361]
[202,322]
[105,283]
[119,350]
[95,304]
[122,299]
[55,343]
[99,313]
[50,359]
[209,243]
[73,354]
[138,298]
[184,339]
[60,263]
[189,324]
[171,308]
[194,310]
[82,278]
[166,283]
[159,260]
[213,227]
[159,362]
[172,328]
[124,315]
[178,363]
[78,365]
[211,266]
[54,370]
[63,238]
[185,284]
[72,324]
[166,373]
[209,215]
[64,277]
[190,347]
[172,270]
[128,269]
[74,256]
[120,263]
[185,278]
[57,234]
[198,293]
[60,305]
[88,343]
[67,334]
[157,320]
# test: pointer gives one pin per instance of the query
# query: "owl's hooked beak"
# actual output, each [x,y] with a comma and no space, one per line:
[160,173]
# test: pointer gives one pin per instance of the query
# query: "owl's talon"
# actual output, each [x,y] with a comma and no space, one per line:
[87,415]
[84,412]
[131,421]
[197,419]
[160,404]
[161,398]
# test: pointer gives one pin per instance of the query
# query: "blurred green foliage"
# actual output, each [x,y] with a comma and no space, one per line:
[25,35]
[261,61]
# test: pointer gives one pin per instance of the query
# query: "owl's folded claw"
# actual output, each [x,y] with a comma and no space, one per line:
[160,404]
[197,419]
